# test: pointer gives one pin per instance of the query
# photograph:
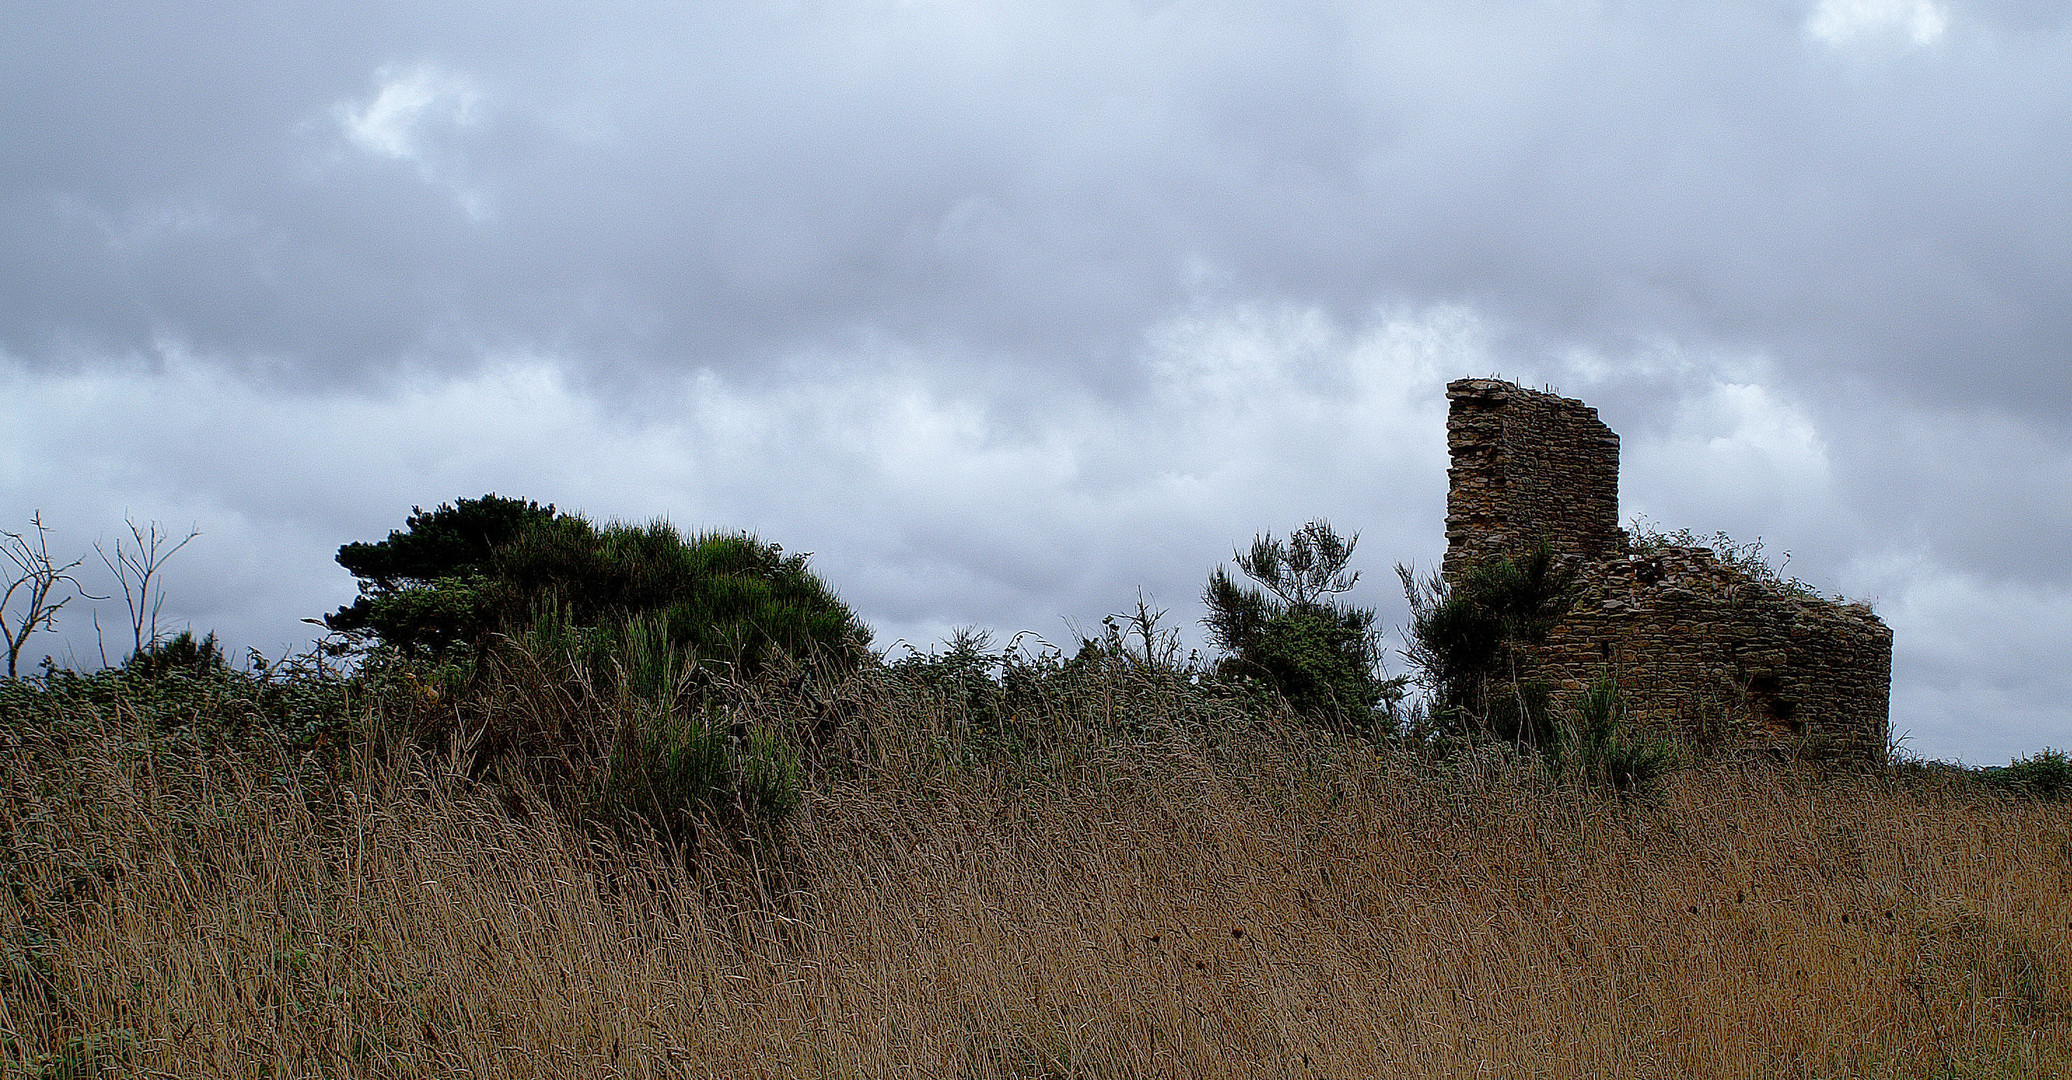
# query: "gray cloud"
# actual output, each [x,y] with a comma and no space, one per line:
[1008,310]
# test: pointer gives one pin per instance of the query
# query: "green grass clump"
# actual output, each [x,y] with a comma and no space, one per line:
[1598,743]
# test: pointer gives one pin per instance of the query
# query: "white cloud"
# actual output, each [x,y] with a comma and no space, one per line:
[1839,22]
[394,122]
[1733,453]
[412,118]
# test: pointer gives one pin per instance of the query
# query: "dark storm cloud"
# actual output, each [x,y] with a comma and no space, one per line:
[1010,310]
[720,186]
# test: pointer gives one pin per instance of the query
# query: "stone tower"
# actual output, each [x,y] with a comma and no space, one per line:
[1527,467]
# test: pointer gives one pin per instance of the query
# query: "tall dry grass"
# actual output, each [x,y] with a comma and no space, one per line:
[1265,904]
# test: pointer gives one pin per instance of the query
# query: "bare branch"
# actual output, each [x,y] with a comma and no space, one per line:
[33,579]
[136,568]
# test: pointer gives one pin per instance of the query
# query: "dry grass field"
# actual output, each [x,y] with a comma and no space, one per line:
[1270,903]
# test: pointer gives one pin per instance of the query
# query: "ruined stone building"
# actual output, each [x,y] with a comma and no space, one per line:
[1695,644]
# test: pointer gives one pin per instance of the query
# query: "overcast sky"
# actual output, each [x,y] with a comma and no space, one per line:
[1006,311]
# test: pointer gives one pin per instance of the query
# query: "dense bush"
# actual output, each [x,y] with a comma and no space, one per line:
[594,661]
[618,724]
[474,568]
[1323,656]
[182,690]
[435,583]
[182,652]
[2047,774]
[1031,702]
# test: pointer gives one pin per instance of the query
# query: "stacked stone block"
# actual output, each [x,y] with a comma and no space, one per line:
[1696,646]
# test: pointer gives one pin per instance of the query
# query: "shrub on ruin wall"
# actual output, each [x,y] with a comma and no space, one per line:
[1596,741]
[1746,557]
[1471,641]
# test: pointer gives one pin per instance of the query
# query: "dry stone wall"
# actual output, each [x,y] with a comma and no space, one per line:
[1696,646]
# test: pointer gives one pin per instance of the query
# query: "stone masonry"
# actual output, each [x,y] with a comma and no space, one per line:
[1696,645]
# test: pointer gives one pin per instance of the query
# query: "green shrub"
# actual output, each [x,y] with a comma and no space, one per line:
[596,660]
[618,726]
[1033,714]
[669,768]
[179,653]
[430,585]
[464,572]
[1745,556]
[2046,774]
[183,690]
[1324,657]
[1471,641]
[968,679]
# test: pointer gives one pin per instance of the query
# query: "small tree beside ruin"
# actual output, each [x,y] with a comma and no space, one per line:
[1323,656]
